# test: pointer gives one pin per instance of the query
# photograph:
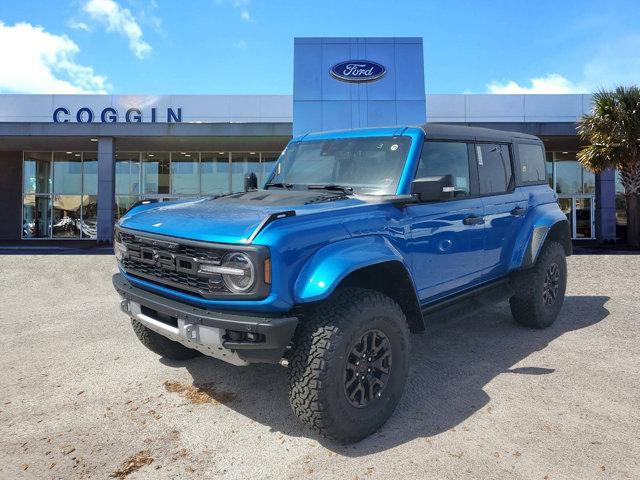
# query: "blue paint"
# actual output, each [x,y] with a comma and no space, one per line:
[313,251]
[172,116]
[133,115]
[84,115]
[57,112]
[324,271]
[109,115]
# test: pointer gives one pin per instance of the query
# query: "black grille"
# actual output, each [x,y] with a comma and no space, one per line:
[172,264]
[133,241]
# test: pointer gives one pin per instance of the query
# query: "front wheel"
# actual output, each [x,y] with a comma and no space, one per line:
[540,290]
[349,364]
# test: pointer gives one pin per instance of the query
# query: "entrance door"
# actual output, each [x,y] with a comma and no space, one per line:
[584,217]
[580,212]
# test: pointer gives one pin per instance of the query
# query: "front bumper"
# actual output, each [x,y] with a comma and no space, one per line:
[205,330]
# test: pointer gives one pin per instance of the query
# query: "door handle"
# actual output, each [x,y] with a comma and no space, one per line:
[516,212]
[473,220]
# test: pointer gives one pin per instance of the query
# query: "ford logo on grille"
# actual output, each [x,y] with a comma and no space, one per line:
[358,71]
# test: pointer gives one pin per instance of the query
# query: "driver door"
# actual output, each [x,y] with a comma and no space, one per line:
[447,238]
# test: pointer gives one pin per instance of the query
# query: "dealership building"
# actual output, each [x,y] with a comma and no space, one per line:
[72,164]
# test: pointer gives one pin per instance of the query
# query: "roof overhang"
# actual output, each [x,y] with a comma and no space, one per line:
[145,136]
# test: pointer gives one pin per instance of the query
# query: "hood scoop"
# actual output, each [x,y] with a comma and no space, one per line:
[281,197]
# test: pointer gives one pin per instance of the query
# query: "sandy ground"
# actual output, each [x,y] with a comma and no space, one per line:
[80,396]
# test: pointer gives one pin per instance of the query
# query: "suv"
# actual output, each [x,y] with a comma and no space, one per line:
[356,239]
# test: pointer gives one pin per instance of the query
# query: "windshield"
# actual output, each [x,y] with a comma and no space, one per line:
[370,165]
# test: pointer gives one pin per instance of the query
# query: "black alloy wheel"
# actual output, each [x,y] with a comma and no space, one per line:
[367,368]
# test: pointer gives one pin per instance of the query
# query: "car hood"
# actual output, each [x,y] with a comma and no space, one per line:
[232,218]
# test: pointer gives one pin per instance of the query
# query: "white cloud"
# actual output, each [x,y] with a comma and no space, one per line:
[552,83]
[78,25]
[41,62]
[242,44]
[614,63]
[121,20]
[241,5]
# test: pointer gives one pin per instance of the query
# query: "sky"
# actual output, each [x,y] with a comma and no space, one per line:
[246,46]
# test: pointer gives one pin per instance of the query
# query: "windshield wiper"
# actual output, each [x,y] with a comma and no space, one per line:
[332,186]
[288,186]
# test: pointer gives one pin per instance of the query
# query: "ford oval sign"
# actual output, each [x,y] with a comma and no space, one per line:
[358,71]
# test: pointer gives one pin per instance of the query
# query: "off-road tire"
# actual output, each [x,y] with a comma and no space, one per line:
[162,345]
[528,305]
[323,341]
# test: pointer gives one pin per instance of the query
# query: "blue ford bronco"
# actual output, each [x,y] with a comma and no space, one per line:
[356,239]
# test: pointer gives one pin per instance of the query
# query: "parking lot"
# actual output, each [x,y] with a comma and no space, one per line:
[82,398]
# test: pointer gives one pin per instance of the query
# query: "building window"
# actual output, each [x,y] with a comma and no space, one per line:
[60,189]
[55,186]
[185,173]
[215,174]
[155,172]
[241,164]
[66,216]
[570,177]
[36,215]
[89,224]
[67,172]
[37,172]
[550,170]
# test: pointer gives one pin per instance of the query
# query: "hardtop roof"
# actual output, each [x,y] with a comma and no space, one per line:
[465,132]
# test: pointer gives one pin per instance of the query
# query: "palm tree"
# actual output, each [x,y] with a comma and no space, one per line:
[612,133]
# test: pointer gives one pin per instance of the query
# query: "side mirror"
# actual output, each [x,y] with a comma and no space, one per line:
[433,189]
[250,182]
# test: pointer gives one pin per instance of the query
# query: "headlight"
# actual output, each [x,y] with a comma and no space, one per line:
[238,272]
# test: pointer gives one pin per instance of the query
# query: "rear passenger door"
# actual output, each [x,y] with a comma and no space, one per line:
[504,206]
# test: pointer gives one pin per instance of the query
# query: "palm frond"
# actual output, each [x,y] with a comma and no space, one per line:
[612,130]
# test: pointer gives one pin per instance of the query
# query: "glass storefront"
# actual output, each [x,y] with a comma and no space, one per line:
[576,188]
[59,194]
[185,174]
[60,188]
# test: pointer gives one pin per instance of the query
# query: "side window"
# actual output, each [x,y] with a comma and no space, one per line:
[532,163]
[494,168]
[447,158]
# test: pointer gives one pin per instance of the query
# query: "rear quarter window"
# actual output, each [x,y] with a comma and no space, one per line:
[532,163]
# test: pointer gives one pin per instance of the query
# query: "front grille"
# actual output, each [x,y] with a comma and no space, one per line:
[172,264]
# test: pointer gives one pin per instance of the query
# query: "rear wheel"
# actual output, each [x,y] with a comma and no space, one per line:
[349,364]
[540,290]
[162,345]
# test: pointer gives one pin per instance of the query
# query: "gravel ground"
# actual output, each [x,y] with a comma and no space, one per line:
[82,398]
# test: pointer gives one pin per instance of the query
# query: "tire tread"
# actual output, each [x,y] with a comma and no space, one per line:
[315,341]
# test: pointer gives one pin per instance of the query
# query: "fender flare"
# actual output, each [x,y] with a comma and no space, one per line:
[540,223]
[331,264]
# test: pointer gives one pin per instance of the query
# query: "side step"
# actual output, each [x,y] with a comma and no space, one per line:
[467,302]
